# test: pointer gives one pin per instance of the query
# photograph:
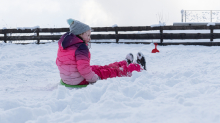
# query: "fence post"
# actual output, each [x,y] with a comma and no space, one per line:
[5,37]
[161,34]
[182,14]
[116,33]
[38,40]
[211,33]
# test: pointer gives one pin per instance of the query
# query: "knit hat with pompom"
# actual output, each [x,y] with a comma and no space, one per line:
[77,27]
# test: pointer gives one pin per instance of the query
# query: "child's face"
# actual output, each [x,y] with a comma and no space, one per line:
[86,36]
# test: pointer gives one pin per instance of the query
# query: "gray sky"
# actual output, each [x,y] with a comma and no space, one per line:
[96,13]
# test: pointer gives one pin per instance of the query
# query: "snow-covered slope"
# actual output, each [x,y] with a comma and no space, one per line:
[181,86]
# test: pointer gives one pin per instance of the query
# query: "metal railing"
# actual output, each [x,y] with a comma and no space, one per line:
[200,15]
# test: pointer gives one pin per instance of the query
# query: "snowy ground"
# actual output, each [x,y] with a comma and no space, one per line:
[181,86]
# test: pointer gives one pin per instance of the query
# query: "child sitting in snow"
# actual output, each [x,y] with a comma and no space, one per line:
[73,59]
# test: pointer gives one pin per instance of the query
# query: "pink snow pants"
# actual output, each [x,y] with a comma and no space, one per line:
[116,69]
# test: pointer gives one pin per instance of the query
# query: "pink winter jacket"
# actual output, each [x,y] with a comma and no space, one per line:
[73,60]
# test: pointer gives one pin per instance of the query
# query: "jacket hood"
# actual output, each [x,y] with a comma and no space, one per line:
[69,39]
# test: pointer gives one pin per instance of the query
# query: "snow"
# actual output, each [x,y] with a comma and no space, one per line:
[181,85]
[211,23]
[32,28]
[115,25]
[158,25]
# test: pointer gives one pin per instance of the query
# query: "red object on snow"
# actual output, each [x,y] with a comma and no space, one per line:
[155,50]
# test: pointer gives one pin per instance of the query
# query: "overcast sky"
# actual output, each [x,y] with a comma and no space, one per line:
[96,13]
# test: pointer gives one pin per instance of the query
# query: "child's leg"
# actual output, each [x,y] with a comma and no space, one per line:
[118,64]
[104,72]
[116,69]
[134,67]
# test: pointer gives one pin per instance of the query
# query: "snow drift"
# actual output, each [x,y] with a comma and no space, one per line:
[181,85]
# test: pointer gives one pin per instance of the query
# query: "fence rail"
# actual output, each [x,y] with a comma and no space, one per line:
[161,35]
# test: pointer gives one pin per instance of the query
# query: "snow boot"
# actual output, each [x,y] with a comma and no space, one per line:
[141,60]
[129,58]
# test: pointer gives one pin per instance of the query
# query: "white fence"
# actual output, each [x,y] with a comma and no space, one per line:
[200,15]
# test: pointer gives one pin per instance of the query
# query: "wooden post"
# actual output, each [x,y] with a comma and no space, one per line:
[211,33]
[161,34]
[5,37]
[116,32]
[38,41]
